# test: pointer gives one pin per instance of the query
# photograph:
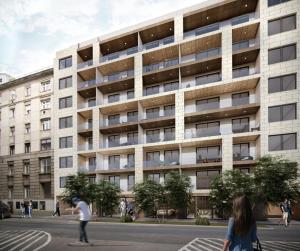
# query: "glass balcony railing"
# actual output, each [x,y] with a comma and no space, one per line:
[202,30]
[240,101]
[207,79]
[161,65]
[155,115]
[87,83]
[207,106]
[158,138]
[118,143]
[85,64]
[85,147]
[117,76]
[241,45]
[86,105]
[158,43]
[208,158]
[206,132]
[119,121]
[240,20]
[119,54]
[242,156]
[209,53]
[85,126]
[157,163]
[240,128]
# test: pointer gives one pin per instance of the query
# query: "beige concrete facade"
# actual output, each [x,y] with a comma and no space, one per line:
[172,64]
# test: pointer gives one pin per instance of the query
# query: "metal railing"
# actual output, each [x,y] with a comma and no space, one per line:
[159,138]
[119,54]
[161,65]
[155,115]
[85,64]
[240,20]
[202,30]
[157,163]
[87,83]
[117,76]
[84,147]
[116,143]
[158,43]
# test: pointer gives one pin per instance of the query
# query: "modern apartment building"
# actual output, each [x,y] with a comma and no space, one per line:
[26,154]
[202,90]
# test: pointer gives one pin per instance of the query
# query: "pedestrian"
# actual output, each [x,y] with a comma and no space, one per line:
[22,206]
[30,209]
[57,209]
[241,227]
[290,212]
[26,208]
[285,209]
[123,208]
[85,215]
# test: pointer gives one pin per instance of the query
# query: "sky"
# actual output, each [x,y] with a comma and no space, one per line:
[31,31]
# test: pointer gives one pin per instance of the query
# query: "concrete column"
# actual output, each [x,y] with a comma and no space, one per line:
[138,75]
[96,53]
[95,117]
[227,53]
[179,116]
[227,160]
[139,164]
[178,28]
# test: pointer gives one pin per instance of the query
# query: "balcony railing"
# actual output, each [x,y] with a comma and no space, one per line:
[241,45]
[207,79]
[159,138]
[117,76]
[240,128]
[158,43]
[85,64]
[118,143]
[156,115]
[239,157]
[161,65]
[240,20]
[240,101]
[157,163]
[202,30]
[86,105]
[207,106]
[87,83]
[119,121]
[208,159]
[194,133]
[85,126]
[85,147]
[119,54]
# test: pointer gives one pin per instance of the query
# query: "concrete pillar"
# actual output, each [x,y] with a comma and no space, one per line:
[227,151]
[96,132]
[227,53]
[178,28]
[138,75]
[96,53]
[139,157]
[179,116]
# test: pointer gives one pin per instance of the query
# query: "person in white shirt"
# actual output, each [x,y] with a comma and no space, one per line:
[84,216]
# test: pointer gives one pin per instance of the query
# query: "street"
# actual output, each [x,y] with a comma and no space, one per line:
[57,233]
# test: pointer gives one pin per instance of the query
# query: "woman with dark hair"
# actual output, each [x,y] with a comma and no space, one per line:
[241,227]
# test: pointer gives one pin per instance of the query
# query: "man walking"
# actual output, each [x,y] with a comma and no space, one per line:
[285,212]
[57,209]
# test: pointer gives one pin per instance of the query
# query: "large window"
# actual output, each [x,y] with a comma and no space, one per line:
[45,144]
[240,125]
[208,129]
[11,149]
[45,104]
[65,82]
[282,54]
[152,159]
[169,133]
[45,165]
[152,136]
[152,113]
[65,102]
[132,138]
[207,104]
[130,160]
[27,147]
[114,119]
[205,177]
[208,154]
[115,180]
[282,112]
[26,166]
[114,162]
[152,90]
[66,162]
[113,98]
[171,86]
[240,72]
[65,122]
[63,181]
[45,86]
[154,177]
[171,157]
[283,142]
[132,116]
[282,24]
[130,94]
[240,98]
[169,110]
[206,79]
[275,2]
[113,140]
[241,151]
[130,182]
[65,62]
[65,142]
[46,124]
[282,83]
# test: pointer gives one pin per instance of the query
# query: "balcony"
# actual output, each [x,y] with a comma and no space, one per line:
[119,54]
[158,43]
[154,119]
[44,177]
[84,57]
[109,144]
[85,64]
[86,169]
[117,76]
[117,126]
[86,84]
[89,103]
[161,65]
[85,147]
[85,129]
[241,128]
[161,164]
[160,138]
[202,30]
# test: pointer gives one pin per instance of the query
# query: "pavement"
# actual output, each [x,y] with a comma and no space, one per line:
[59,232]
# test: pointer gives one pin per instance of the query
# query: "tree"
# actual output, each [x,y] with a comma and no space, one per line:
[148,196]
[178,188]
[107,197]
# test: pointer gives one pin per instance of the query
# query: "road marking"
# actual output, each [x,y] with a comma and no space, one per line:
[15,237]
[11,243]
[212,244]
[23,242]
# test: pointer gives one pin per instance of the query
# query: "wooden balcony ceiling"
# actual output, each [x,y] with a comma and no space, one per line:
[117,150]
[246,137]
[120,107]
[245,32]
[116,86]
[218,13]
[86,114]
[148,102]
[158,122]
[221,113]
[161,55]
[162,75]
[88,92]
[166,146]
[245,56]
[201,66]
[201,44]
[87,154]
[119,44]
[114,171]
[200,142]
[117,66]
[85,132]
[118,128]
[87,74]
[157,32]
[86,54]
[218,89]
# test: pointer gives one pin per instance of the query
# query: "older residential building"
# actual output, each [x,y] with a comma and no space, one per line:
[26,155]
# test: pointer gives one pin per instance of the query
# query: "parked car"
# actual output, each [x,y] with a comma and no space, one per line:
[4,210]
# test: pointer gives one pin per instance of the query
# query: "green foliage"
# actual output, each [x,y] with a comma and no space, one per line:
[126,218]
[106,197]
[149,195]
[202,221]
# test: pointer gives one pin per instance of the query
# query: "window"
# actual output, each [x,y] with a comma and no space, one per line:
[12,112]
[171,157]
[113,140]
[45,104]
[283,142]
[132,116]
[152,113]
[152,90]
[66,162]
[65,62]
[208,129]
[27,128]
[27,91]
[240,125]
[12,131]
[26,192]
[282,54]
[10,168]
[132,138]
[241,151]
[152,136]
[130,182]
[27,147]
[240,72]
[45,86]
[115,180]
[169,134]
[208,154]
[240,98]
[45,165]
[282,83]
[207,104]
[275,2]
[130,160]
[65,102]
[171,86]
[206,79]
[92,164]
[63,181]
[45,144]
[10,193]
[65,142]
[282,112]
[46,124]
[169,110]
[65,122]
[26,166]
[65,82]
[114,119]
[154,177]
[282,24]
[152,159]
[130,94]
[91,102]
[114,162]
[113,98]
[203,203]
[11,149]
[205,177]
[27,109]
